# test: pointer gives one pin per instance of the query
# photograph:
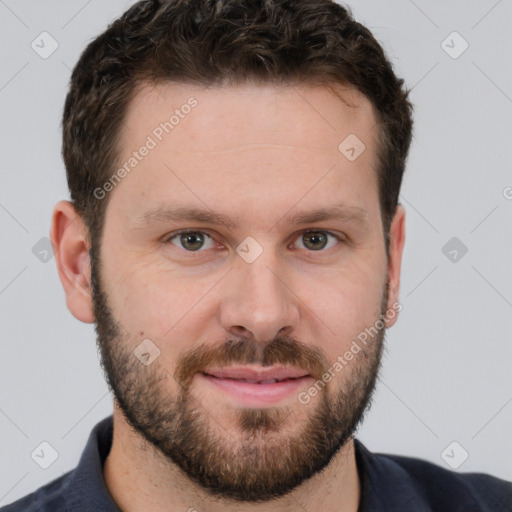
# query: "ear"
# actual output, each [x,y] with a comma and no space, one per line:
[396,247]
[71,249]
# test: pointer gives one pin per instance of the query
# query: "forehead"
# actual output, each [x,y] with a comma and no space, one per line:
[252,113]
[270,144]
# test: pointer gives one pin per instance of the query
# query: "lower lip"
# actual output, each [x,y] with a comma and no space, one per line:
[258,394]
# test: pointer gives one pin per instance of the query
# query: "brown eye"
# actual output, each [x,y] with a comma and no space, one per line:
[318,240]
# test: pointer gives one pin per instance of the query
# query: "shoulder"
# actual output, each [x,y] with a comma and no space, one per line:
[434,487]
[49,497]
[81,489]
[443,485]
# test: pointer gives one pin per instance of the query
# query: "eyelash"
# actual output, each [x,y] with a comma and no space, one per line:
[168,239]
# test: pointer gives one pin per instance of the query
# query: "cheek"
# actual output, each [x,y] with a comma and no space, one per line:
[157,302]
[346,304]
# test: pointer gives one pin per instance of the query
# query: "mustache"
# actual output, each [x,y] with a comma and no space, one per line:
[284,350]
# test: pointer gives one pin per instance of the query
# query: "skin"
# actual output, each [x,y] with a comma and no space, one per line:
[256,153]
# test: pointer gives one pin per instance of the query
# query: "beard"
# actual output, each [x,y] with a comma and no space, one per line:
[266,457]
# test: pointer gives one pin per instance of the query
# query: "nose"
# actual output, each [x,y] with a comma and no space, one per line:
[259,301]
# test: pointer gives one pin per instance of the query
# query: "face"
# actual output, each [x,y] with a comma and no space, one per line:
[244,247]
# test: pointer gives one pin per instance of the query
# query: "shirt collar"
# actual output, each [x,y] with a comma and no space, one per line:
[385,486]
[88,488]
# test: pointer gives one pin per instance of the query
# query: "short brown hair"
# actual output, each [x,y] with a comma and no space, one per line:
[224,42]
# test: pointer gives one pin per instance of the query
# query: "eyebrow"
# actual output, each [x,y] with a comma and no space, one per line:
[159,215]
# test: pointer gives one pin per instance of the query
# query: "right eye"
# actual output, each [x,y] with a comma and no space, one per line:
[191,241]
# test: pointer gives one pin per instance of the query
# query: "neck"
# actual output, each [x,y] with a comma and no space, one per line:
[139,477]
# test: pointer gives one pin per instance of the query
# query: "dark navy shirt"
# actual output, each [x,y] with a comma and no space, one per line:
[389,483]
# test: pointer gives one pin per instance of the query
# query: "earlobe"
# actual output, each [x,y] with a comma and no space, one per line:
[396,247]
[70,243]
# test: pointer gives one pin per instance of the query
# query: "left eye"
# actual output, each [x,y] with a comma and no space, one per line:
[193,241]
[317,240]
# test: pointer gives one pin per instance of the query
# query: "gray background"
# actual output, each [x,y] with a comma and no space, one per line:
[446,374]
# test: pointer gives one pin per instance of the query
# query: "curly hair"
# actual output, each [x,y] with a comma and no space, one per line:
[217,43]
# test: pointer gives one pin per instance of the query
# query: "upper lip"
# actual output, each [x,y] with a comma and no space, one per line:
[262,374]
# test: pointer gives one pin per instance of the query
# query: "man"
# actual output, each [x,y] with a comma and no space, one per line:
[235,235]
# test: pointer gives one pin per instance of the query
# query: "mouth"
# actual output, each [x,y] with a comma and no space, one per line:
[256,386]
[254,381]
[259,375]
